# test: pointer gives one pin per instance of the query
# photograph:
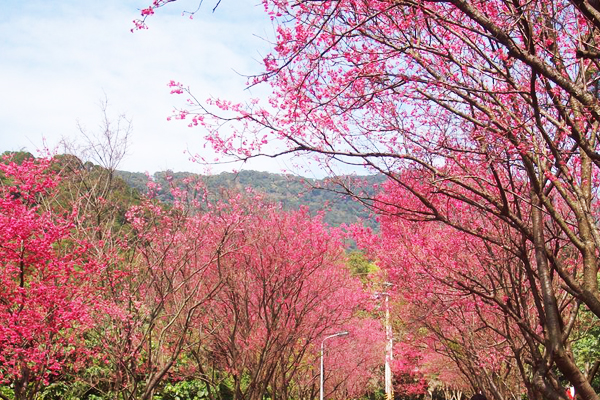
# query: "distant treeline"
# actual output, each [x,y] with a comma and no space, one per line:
[290,190]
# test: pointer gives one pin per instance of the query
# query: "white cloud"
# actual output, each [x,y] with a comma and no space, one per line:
[58,59]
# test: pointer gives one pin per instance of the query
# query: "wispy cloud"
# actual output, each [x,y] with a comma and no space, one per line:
[58,59]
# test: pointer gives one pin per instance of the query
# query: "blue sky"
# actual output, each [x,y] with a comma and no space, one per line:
[58,59]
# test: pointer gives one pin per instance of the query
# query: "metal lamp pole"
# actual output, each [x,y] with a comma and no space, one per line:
[322,348]
[389,389]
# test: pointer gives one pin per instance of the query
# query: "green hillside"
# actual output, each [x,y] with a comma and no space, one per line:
[289,190]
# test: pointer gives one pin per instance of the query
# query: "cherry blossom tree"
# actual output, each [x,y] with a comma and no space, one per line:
[284,288]
[48,282]
[470,294]
[354,363]
[169,269]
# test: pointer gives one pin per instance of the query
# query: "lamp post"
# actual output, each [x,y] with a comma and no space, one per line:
[389,390]
[322,369]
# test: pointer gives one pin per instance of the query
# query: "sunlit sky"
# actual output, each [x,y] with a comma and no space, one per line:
[59,59]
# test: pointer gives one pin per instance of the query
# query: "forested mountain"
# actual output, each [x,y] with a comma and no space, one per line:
[290,190]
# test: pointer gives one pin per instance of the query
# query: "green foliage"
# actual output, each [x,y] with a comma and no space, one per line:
[376,395]
[18,156]
[65,390]
[586,343]
[67,162]
[587,348]
[108,196]
[6,391]
[55,391]
[360,265]
[15,156]
[184,390]
[225,391]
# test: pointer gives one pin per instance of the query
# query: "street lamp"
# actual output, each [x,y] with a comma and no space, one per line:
[322,348]
[389,390]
